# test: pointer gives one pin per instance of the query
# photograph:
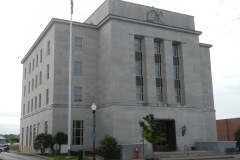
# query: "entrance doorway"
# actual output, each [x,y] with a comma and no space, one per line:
[167,128]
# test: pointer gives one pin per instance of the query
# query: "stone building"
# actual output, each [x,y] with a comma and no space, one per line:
[129,59]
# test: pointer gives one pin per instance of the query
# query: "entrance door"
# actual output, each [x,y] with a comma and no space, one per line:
[167,128]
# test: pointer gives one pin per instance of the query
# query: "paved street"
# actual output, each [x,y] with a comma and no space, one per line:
[18,156]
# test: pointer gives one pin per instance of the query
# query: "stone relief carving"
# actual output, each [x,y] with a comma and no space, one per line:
[155,16]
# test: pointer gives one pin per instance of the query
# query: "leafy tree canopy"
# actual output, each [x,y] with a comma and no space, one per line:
[151,129]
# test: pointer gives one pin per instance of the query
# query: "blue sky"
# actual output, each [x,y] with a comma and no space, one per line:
[23,21]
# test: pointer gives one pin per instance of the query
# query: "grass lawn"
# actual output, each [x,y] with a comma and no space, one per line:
[63,157]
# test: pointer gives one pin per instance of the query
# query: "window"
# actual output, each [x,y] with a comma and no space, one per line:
[29,86]
[30,137]
[29,68]
[158,70]
[27,136]
[41,56]
[38,127]
[22,139]
[159,93]
[48,71]
[77,94]
[77,133]
[48,47]
[24,91]
[139,93]
[40,78]
[77,68]
[39,100]
[138,68]
[36,60]
[177,77]
[25,73]
[33,65]
[32,84]
[23,113]
[34,132]
[36,81]
[137,44]
[35,102]
[28,106]
[47,96]
[78,44]
[31,105]
[46,127]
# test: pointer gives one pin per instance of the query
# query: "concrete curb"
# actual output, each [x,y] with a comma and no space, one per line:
[30,154]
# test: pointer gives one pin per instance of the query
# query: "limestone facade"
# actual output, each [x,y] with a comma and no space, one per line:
[109,77]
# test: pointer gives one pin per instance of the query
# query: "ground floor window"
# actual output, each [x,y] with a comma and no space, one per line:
[77,132]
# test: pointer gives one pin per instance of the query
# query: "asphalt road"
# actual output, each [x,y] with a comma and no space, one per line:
[19,156]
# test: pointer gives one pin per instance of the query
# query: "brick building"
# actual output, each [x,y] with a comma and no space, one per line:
[226,128]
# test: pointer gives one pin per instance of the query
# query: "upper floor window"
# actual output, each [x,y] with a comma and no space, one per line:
[77,94]
[77,68]
[48,71]
[32,84]
[36,60]
[47,96]
[40,55]
[24,91]
[137,44]
[36,81]
[35,102]
[30,68]
[39,100]
[139,93]
[23,110]
[33,64]
[48,47]
[25,73]
[78,44]
[138,68]
[40,77]
[177,77]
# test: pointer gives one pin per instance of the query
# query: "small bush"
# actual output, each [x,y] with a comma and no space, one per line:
[109,147]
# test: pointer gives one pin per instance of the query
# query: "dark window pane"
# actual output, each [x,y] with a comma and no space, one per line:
[138,56]
[139,80]
[177,84]
[157,58]
[175,60]
[159,82]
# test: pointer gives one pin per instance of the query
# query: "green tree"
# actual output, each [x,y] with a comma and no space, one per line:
[237,137]
[42,142]
[60,138]
[151,130]
[109,147]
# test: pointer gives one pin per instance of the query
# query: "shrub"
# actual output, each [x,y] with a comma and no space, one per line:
[109,147]
[42,142]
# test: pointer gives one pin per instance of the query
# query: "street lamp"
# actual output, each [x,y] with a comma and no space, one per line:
[94,107]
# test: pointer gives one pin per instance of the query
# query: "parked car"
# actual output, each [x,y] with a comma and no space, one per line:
[4,148]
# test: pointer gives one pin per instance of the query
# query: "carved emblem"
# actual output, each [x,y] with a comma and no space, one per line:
[155,16]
